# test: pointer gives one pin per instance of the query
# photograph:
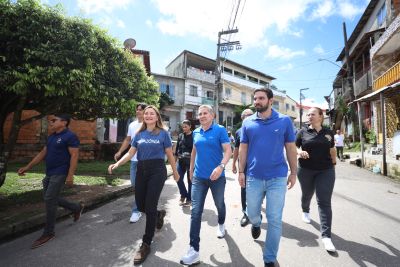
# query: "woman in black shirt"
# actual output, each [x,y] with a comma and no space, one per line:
[316,171]
[182,154]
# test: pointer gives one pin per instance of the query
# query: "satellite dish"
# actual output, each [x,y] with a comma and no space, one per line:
[129,43]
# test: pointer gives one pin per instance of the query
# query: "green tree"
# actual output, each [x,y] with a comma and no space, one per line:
[52,63]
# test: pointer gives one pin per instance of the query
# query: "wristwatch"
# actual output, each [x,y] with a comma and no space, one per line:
[222,166]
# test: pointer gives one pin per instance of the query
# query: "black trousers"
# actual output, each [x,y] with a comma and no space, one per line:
[321,182]
[150,179]
[339,152]
[243,197]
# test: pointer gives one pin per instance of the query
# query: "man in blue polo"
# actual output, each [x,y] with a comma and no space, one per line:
[61,155]
[264,137]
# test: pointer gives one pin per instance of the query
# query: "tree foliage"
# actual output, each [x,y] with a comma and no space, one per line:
[52,63]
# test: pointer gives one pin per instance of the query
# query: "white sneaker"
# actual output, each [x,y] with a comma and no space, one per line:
[328,244]
[221,230]
[306,217]
[191,257]
[135,216]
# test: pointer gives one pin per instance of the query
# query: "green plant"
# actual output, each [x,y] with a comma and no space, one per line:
[370,136]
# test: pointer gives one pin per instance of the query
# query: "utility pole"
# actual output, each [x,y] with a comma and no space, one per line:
[218,71]
[301,107]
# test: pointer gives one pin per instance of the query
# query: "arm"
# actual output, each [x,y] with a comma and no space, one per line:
[38,158]
[192,159]
[291,155]
[243,148]
[124,146]
[171,160]
[74,152]
[176,149]
[235,158]
[332,151]
[227,155]
[123,160]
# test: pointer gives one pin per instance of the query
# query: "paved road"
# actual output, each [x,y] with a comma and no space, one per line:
[366,231]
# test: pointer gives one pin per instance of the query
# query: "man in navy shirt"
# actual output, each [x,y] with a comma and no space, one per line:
[61,156]
[264,137]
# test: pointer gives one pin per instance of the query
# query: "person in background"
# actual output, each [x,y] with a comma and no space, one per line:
[245,219]
[61,156]
[132,129]
[183,151]
[339,144]
[264,137]
[317,158]
[211,152]
[151,143]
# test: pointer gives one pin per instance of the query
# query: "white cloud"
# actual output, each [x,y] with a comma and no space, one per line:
[286,67]
[275,51]
[310,102]
[149,23]
[106,21]
[349,10]
[345,8]
[323,10]
[318,49]
[120,24]
[94,6]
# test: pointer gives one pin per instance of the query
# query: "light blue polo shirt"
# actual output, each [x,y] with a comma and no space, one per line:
[209,151]
[266,141]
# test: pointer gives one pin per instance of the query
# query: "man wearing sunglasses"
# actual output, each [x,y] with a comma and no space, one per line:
[61,156]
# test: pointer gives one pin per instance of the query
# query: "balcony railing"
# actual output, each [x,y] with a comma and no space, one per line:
[391,76]
[201,75]
[207,101]
[363,84]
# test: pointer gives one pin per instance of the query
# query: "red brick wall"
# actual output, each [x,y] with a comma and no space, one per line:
[29,144]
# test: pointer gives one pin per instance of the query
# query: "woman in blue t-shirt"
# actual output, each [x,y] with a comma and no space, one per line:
[151,143]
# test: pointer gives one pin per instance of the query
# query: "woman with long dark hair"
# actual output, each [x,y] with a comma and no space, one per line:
[316,172]
[152,142]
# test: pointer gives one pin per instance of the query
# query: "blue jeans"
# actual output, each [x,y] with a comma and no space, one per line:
[133,181]
[199,192]
[275,190]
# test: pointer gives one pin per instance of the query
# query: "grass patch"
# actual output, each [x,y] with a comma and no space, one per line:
[18,190]
[354,147]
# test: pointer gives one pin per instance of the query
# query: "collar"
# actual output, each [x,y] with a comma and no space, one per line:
[211,127]
[255,116]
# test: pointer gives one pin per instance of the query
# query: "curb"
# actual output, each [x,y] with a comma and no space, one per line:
[35,222]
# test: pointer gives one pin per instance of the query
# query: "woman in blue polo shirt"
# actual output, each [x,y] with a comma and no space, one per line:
[316,171]
[151,143]
[211,151]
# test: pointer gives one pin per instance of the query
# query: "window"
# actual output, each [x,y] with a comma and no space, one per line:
[252,79]
[228,71]
[221,117]
[264,83]
[240,75]
[228,92]
[210,94]
[193,90]
[243,98]
[381,15]
[292,108]
[275,105]
[169,89]
[287,107]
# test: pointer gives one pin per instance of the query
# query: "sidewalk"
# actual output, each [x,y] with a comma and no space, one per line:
[33,216]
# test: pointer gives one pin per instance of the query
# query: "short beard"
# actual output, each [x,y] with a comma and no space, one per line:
[262,108]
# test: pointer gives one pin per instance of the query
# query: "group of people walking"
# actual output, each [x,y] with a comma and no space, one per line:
[202,155]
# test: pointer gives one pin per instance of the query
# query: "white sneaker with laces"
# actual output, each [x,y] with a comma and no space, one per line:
[328,244]
[135,216]
[191,257]
[306,217]
[221,230]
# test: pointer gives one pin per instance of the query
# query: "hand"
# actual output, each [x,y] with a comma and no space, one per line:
[112,167]
[176,176]
[241,179]
[117,156]
[21,171]
[191,175]
[216,173]
[234,170]
[291,180]
[304,155]
[69,182]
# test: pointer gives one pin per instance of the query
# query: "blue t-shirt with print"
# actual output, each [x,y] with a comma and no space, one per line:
[57,156]
[266,141]
[151,145]
[209,151]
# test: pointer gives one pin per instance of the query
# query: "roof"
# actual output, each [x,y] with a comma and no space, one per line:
[166,76]
[361,23]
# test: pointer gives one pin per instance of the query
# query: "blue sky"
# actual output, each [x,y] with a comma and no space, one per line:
[281,38]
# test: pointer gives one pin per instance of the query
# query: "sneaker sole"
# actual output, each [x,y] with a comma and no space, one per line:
[33,247]
[190,264]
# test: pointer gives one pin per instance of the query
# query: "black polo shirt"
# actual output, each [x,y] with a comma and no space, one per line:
[318,145]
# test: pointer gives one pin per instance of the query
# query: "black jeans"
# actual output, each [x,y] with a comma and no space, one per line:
[150,179]
[321,182]
[339,152]
[184,167]
[243,196]
[52,187]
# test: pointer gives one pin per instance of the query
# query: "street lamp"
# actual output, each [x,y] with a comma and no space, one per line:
[301,107]
[337,65]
